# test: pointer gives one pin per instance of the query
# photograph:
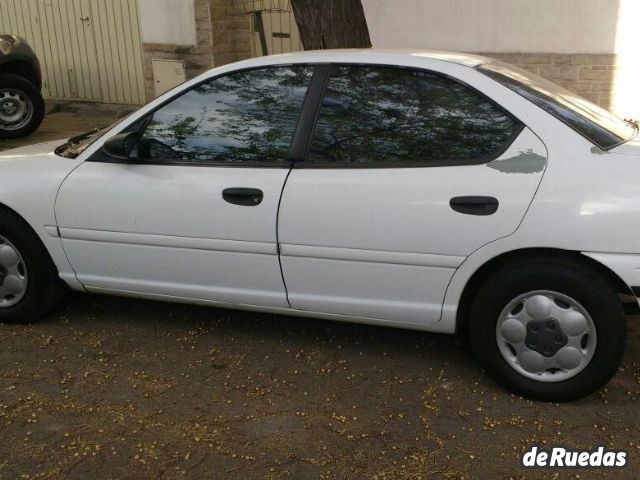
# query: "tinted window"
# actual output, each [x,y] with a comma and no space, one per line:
[596,124]
[379,114]
[247,116]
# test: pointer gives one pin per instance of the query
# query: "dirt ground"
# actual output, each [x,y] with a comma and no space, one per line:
[111,388]
[64,120]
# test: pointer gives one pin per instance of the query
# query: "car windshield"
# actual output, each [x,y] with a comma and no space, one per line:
[596,124]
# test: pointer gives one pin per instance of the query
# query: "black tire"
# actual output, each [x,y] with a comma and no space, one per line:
[29,93]
[568,277]
[45,290]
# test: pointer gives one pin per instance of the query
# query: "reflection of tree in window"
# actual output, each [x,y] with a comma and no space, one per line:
[244,116]
[372,114]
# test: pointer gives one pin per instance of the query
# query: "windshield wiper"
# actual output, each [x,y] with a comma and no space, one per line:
[83,136]
[73,141]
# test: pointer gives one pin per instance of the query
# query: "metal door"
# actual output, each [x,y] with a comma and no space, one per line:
[89,49]
[273,28]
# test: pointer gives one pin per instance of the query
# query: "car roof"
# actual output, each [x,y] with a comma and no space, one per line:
[371,55]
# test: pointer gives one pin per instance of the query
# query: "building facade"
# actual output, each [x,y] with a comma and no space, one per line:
[588,46]
[129,51]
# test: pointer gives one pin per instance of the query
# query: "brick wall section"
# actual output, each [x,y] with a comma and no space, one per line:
[222,35]
[231,34]
[590,76]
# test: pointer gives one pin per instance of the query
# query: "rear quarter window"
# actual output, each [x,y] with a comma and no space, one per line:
[599,126]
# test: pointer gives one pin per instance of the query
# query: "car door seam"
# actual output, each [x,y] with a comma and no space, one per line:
[284,282]
[535,193]
[55,217]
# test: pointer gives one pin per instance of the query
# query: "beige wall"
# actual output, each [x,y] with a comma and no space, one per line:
[589,46]
[168,21]
[526,26]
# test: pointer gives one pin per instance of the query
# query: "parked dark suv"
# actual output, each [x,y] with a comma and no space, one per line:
[21,104]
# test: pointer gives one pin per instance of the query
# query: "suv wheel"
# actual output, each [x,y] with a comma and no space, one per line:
[21,107]
[552,330]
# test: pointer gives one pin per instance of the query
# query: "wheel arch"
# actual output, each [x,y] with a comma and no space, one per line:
[22,69]
[43,245]
[530,255]
[6,208]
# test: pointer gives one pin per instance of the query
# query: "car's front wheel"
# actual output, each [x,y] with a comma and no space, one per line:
[549,330]
[29,284]
[21,107]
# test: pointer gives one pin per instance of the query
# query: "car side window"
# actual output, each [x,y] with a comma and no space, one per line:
[373,115]
[246,116]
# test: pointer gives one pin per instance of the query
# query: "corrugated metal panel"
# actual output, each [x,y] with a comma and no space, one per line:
[280,28]
[88,49]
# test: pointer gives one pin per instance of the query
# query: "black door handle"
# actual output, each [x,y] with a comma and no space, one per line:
[249,197]
[475,205]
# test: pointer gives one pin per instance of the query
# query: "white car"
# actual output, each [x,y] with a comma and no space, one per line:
[423,190]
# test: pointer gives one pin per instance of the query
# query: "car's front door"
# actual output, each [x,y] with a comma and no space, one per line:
[193,215]
[408,173]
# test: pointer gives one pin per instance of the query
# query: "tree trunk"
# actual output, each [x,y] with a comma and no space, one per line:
[331,24]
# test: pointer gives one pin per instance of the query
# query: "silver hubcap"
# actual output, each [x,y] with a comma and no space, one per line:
[13,274]
[546,336]
[16,109]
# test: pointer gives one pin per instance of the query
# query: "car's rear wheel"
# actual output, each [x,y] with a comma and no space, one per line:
[21,107]
[29,284]
[550,330]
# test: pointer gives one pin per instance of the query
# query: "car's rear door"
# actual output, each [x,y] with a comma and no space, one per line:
[408,172]
[194,216]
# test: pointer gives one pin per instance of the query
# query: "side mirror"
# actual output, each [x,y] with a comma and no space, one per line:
[121,146]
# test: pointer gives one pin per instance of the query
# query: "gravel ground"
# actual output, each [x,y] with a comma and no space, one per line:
[128,389]
[121,388]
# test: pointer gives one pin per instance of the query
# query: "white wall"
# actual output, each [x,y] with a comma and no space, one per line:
[519,26]
[168,21]
[549,26]
[626,95]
